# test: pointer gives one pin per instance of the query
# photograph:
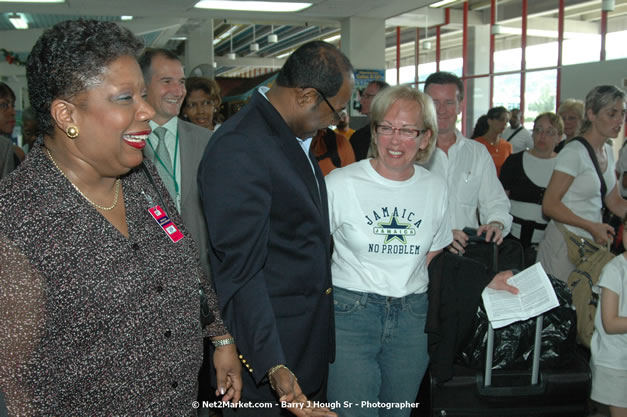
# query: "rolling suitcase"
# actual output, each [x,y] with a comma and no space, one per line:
[556,391]
[562,391]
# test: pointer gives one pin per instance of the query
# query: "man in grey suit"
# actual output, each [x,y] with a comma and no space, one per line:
[175,146]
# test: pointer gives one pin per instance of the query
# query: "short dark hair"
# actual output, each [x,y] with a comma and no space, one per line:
[71,57]
[145,60]
[208,85]
[382,85]
[6,92]
[317,65]
[482,126]
[443,77]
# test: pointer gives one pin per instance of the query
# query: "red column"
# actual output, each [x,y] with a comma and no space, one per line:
[398,55]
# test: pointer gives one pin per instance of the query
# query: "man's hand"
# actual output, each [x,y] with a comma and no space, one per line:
[228,373]
[499,282]
[288,390]
[460,240]
[493,232]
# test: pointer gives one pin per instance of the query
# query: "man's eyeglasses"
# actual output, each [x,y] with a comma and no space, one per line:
[336,115]
[403,132]
[549,132]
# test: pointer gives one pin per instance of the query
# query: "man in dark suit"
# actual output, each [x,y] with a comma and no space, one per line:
[184,142]
[266,207]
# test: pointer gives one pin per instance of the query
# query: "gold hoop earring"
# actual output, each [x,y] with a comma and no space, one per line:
[72,132]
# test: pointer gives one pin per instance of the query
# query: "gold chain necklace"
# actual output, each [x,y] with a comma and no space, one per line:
[115,197]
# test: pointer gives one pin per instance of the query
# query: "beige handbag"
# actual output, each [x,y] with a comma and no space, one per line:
[589,259]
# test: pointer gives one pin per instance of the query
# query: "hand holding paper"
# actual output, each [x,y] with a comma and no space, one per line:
[535,296]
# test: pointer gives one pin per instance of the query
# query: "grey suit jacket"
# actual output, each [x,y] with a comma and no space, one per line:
[192,142]
[7,157]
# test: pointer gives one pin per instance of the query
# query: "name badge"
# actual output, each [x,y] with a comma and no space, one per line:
[166,224]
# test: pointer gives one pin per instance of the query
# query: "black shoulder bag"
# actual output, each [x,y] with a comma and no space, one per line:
[206,316]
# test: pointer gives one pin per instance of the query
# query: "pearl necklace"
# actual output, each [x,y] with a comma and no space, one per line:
[115,197]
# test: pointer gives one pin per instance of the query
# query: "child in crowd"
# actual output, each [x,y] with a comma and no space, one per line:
[609,341]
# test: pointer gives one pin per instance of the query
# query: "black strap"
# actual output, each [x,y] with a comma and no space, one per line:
[527,227]
[514,133]
[151,180]
[330,142]
[593,156]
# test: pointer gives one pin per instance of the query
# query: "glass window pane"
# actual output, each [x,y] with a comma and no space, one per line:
[542,55]
[615,45]
[586,48]
[539,94]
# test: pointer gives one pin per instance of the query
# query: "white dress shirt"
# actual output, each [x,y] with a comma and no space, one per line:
[472,184]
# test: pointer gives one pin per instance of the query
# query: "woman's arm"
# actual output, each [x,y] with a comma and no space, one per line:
[612,322]
[616,203]
[553,207]
[432,255]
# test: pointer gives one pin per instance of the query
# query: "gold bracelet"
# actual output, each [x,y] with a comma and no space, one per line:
[276,368]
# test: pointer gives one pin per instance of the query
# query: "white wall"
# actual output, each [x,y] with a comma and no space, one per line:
[578,79]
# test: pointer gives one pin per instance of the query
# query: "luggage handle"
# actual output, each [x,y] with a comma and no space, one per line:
[535,368]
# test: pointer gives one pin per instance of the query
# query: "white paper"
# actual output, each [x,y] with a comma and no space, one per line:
[536,296]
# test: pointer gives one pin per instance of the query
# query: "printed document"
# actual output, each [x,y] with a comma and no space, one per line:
[536,295]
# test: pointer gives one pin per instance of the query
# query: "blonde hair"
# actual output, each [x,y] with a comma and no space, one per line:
[573,105]
[386,98]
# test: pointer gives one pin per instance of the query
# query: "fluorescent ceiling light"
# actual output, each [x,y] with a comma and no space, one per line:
[332,38]
[18,21]
[443,3]
[126,17]
[283,55]
[225,35]
[252,6]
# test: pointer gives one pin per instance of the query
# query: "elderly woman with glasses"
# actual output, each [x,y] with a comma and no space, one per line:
[525,176]
[388,218]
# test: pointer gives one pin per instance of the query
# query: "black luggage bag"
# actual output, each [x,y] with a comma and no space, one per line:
[553,392]
[562,391]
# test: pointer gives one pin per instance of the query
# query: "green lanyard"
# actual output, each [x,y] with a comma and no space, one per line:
[173,173]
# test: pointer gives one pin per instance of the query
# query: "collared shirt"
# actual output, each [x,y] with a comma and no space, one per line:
[171,127]
[473,185]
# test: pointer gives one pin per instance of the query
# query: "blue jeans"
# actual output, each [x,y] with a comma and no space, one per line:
[381,352]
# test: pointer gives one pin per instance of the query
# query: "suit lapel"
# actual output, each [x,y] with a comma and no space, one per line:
[299,161]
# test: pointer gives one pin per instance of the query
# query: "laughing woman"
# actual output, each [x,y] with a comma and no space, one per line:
[99,304]
[388,219]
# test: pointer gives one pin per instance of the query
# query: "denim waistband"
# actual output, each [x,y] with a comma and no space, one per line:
[365,297]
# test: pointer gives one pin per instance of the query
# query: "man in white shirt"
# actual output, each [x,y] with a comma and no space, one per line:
[516,134]
[468,169]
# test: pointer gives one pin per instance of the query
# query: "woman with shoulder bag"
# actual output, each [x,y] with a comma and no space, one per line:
[582,184]
[573,196]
